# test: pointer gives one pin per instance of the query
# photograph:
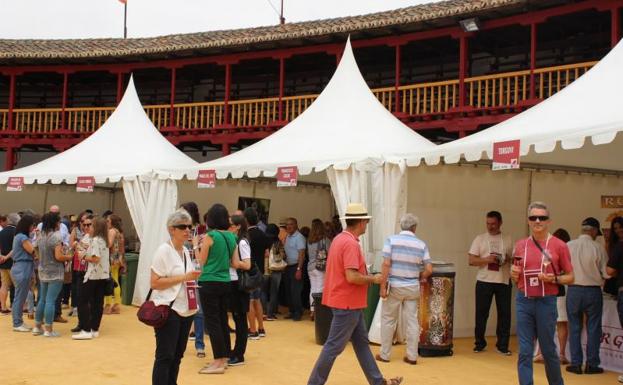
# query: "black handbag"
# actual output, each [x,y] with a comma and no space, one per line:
[250,280]
[561,288]
[109,288]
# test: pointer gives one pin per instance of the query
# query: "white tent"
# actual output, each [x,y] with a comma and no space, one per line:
[130,149]
[591,107]
[348,133]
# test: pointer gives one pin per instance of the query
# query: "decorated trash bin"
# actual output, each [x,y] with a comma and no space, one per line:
[436,312]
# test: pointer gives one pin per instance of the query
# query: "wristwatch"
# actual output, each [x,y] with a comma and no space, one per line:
[298,268]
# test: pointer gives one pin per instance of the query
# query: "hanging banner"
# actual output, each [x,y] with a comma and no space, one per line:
[612,201]
[15,183]
[206,179]
[505,155]
[287,176]
[85,184]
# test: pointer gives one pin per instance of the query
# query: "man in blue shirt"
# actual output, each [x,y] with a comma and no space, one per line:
[295,258]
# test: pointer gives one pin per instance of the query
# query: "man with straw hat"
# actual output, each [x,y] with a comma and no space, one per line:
[345,292]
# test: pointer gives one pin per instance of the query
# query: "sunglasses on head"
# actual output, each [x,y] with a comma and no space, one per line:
[183,227]
[540,218]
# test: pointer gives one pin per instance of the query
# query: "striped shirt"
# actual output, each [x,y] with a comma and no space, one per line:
[408,255]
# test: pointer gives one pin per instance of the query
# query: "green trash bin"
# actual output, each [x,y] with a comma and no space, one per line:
[129,278]
[373,300]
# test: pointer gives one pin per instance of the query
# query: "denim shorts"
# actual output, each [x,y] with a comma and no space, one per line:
[256,294]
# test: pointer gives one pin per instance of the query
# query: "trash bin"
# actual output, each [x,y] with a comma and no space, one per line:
[322,319]
[436,311]
[129,278]
[374,291]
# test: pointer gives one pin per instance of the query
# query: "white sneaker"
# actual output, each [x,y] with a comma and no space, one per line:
[37,331]
[22,328]
[621,378]
[82,335]
[51,334]
[95,333]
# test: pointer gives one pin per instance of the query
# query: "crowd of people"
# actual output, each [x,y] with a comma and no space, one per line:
[51,261]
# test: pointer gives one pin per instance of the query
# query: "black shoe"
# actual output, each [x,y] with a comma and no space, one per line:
[234,361]
[289,316]
[479,349]
[76,329]
[593,370]
[577,369]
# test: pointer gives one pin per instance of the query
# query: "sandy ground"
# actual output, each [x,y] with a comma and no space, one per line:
[123,354]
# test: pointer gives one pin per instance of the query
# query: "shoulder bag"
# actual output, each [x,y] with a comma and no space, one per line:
[561,288]
[321,255]
[248,280]
[276,261]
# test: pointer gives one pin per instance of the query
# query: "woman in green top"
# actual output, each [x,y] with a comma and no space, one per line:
[215,254]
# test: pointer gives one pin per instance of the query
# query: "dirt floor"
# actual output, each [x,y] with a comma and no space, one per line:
[123,354]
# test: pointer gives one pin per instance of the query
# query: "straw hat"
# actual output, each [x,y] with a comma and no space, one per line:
[356,211]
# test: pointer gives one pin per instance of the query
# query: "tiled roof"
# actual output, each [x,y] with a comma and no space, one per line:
[95,48]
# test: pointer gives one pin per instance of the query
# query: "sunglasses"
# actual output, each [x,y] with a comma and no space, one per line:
[540,218]
[86,224]
[183,227]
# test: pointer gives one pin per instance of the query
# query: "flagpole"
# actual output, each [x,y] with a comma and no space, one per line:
[125,20]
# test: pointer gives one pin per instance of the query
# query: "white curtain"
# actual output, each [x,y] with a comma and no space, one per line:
[150,202]
[382,190]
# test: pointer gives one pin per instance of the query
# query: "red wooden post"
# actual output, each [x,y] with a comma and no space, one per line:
[64,102]
[226,150]
[172,106]
[11,101]
[616,25]
[9,159]
[533,31]
[119,86]
[282,78]
[463,52]
[227,91]
[397,81]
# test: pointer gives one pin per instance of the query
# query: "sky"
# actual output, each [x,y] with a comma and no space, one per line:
[77,19]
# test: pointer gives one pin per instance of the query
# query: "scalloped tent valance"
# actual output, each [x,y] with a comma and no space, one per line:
[591,107]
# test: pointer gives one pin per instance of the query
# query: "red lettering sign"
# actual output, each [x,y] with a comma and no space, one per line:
[15,183]
[85,184]
[287,176]
[206,179]
[505,155]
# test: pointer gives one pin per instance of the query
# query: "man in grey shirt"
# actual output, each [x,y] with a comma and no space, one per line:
[295,245]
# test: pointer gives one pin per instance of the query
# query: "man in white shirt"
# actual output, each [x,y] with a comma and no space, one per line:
[491,252]
[589,259]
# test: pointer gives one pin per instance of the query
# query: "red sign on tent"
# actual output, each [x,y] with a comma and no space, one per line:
[287,176]
[15,183]
[206,179]
[506,155]
[85,184]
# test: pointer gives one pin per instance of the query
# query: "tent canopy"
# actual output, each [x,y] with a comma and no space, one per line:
[590,107]
[126,146]
[345,125]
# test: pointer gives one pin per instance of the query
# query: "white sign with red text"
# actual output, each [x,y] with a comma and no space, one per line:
[287,176]
[15,183]
[506,155]
[206,179]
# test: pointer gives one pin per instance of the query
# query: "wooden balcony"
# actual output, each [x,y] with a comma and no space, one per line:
[436,100]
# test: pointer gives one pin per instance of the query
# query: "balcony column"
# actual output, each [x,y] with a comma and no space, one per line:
[9,158]
[64,101]
[119,86]
[397,81]
[172,105]
[226,150]
[226,101]
[11,122]
[616,25]
[282,78]
[463,67]
[533,32]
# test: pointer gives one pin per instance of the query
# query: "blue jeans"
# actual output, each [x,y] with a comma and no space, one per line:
[294,288]
[580,300]
[21,273]
[273,302]
[536,319]
[48,293]
[346,325]
[198,322]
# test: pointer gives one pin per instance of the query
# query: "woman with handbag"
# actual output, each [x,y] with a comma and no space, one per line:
[239,299]
[91,302]
[215,255]
[318,248]
[116,246]
[173,276]
[276,265]
[51,273]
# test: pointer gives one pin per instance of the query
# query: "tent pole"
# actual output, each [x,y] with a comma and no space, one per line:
[45,197]
[529,197]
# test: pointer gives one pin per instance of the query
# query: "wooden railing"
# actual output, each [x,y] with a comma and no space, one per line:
[481,93]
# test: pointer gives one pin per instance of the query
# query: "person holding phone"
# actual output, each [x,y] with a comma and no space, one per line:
[537,285]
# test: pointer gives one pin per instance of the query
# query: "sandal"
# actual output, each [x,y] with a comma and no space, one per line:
[212,370]
[201,354]
[538,359]
[564,360]
[392,381]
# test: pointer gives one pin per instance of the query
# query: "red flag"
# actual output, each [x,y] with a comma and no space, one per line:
[123,1]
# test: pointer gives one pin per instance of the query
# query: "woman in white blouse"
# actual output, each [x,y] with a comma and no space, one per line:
[173,277]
